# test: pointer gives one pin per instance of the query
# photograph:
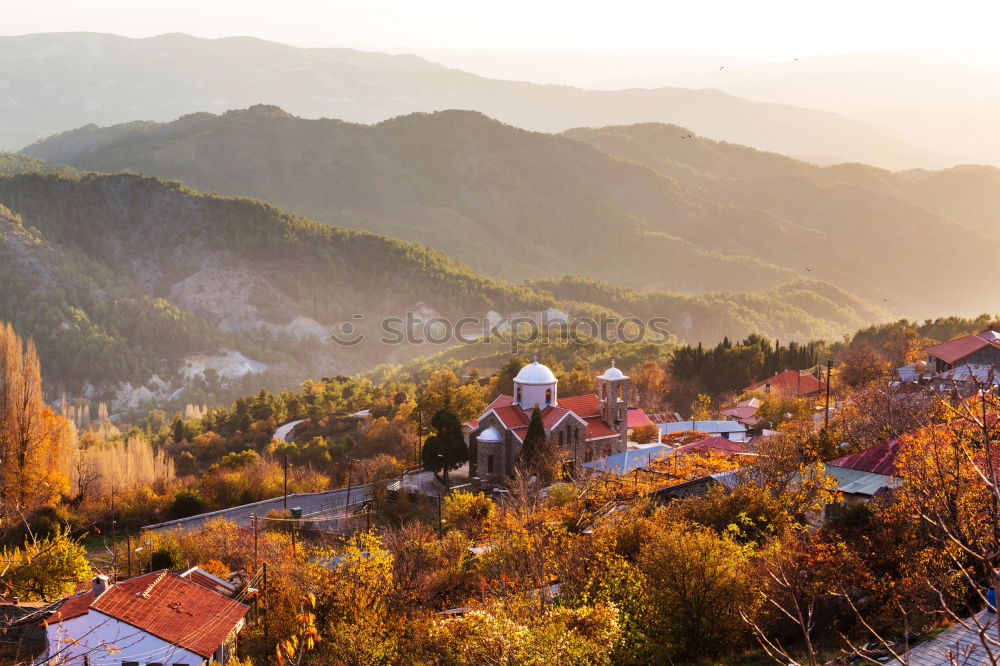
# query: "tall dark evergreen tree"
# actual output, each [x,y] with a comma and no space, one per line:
[446,448]
[537,453]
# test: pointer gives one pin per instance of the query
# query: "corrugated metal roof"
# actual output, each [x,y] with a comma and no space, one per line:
[627,461]
[707,427]
[858,482]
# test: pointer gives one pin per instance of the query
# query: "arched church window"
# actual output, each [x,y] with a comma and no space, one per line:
[620,389]
[548,396]
[604,391]
[519,395]
[560,438]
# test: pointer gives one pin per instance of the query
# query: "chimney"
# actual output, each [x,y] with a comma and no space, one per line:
[100,585]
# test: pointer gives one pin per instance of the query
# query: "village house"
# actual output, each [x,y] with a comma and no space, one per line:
[156,618]
[587,426]
[790,383]
[979,349]
[733,430]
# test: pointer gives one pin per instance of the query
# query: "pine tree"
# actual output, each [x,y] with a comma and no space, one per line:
[537,453]
[446,449]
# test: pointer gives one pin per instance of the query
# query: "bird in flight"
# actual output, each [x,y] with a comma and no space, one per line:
[721,68]
[809,270]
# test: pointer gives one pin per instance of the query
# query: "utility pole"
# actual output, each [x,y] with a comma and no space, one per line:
[264,595]
[256,558]
[350,470]
[286,481]
[826,416]
[440,519]
[114,539]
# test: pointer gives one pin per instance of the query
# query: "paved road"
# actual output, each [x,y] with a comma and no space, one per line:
[329,503]
[283,431]
[325,503]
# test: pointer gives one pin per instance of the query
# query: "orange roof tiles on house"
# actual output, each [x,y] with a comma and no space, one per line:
[790,381]
[166,606]
[959,348]
[745,414]
[714,445]
[879,459]
[637,417]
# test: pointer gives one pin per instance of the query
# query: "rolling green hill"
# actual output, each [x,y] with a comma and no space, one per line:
[652,207]
[122,277]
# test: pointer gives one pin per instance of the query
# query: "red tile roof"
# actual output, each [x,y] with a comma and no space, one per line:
[745,414]
[73,607]
[597,428]
[552,415]
[501,401]
[879,459]
[959,348]
[584,406]
[512,416]
[716,445]
[637,417]
[166,606]
[792,382]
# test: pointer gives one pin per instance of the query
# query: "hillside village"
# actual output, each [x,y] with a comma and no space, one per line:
[504,482]
[566,336]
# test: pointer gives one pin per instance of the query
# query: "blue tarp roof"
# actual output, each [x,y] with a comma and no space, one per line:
[709,427]
[623,463]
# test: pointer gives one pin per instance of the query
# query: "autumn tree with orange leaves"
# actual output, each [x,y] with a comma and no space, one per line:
[35,443]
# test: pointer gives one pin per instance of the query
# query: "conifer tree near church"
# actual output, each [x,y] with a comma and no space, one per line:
[537,453]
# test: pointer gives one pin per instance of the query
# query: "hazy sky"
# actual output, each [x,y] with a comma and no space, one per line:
[766,29]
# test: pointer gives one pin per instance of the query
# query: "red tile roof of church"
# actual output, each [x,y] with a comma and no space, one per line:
[586,407]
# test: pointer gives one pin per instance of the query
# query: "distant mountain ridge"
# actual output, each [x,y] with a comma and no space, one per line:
[648,206]
[56,81]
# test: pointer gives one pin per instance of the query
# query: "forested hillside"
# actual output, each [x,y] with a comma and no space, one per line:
[649,206]
[120,277]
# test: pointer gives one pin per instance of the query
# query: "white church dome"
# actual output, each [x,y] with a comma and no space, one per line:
[535,373]
[491,434]
[613,373]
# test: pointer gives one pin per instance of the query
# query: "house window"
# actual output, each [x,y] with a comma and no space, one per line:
[548,396]
[588,456]
[489,464]
[560,439]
